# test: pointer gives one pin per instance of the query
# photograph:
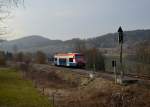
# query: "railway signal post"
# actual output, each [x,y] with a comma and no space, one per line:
[120,40]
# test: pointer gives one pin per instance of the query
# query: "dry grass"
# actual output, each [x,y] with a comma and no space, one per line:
[97,93]
[112,96]
[53,78]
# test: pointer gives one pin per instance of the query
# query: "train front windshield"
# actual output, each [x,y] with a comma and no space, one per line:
[79,56]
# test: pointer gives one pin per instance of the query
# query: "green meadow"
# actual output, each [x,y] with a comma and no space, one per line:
[17,92]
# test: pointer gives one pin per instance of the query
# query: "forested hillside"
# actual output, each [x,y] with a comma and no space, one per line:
[34,43]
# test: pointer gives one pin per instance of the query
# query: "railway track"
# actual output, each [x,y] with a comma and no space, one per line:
[85,73]
[144,77]
[110,74]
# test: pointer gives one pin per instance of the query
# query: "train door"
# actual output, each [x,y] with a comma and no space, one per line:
[67,63]
[62,61]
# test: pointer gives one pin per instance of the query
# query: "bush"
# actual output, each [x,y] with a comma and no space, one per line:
[2,58]
[143,52]
[9,56]
[19,57]
[141,59]
[40,57]
[93,56]
[94,59]
[28,57]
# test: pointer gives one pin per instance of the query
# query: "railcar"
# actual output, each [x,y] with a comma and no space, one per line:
[69,60]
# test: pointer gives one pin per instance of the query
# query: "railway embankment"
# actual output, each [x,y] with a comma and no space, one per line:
[73,87]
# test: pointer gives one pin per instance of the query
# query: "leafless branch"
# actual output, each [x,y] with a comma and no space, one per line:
[5,11]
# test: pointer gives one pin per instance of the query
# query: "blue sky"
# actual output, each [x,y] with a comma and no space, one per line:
[66,19]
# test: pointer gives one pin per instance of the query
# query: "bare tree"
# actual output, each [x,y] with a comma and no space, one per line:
[19,57]
[143,52]
[5,10]
[94,58]
[2,58]
[79,45]
[15,49]
[40,57]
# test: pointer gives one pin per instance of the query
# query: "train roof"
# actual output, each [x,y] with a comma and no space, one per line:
[67,54]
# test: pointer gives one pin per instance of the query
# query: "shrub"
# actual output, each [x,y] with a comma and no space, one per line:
[2,58]
[19,57]
[143,52]
[40,57]
[94,59]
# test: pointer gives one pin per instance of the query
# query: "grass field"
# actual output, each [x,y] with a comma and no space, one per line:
[16,92]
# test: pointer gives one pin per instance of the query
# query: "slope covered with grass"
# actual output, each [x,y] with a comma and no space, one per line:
[16,92]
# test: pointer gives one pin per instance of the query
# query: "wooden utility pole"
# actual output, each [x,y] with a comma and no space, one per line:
[120,39]
[121,62]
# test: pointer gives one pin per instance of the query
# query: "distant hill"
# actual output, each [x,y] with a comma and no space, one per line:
[35,42]
[131,38]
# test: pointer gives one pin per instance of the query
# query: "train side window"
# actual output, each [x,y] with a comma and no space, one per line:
[55,59]
[70,59]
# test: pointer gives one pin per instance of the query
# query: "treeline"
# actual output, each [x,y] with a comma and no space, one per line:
[95,60]
[143,52]
[38,57]
[140,61]
[143,58]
